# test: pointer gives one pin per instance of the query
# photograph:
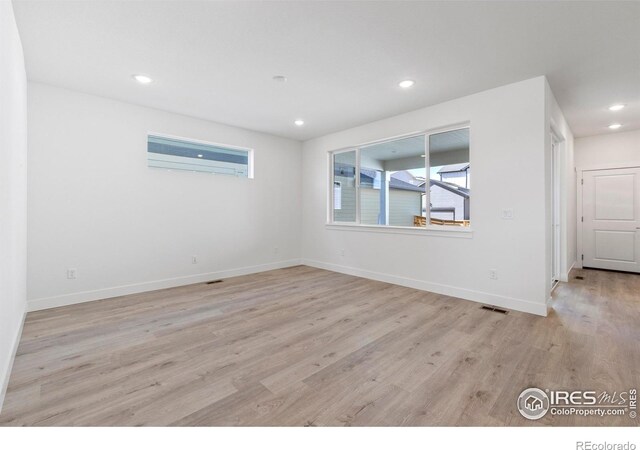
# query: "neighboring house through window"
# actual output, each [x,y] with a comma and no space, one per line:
[386,183]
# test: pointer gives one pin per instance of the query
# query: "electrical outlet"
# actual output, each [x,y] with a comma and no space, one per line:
[493,274]
[507,214]
[342,252]
[276,250]
[194,259]
[72,274]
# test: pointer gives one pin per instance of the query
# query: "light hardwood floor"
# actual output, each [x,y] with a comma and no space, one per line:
[307,347]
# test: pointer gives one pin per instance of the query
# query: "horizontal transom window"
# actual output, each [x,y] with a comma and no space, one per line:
[183,154]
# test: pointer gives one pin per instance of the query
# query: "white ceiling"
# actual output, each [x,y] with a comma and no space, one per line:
[343,60]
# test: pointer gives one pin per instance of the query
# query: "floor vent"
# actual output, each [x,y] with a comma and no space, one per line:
[494,309]
[579,277]
[214,281]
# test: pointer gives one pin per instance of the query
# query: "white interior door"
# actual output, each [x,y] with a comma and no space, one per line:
[611,219]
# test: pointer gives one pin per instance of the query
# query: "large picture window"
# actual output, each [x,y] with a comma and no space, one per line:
[418,181]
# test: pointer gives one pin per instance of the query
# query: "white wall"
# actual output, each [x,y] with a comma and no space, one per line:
[556,123]
[95,206]
[508,136]
[13,191]
[610,148]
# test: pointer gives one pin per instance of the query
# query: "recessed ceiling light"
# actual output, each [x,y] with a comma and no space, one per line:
[199,156]
[614,126]
[616,107]
[299,122]
[406,84]
[280,78]
[142,79]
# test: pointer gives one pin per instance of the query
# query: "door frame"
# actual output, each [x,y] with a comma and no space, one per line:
[556,211]
[579,211]
[558,161]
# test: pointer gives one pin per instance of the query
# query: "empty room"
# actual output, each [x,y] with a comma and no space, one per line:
[226,214]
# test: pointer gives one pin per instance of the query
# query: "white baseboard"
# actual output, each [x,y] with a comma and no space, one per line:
[565,276]
[539,309]
[6,372]
[467,294]
[99,294]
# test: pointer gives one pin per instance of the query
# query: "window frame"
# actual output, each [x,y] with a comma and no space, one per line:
[250,152]
[429,229]
[331,202]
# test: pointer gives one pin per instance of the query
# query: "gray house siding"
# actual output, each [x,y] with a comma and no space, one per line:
[403,205]
[442,198]
[369,206]
[404,202]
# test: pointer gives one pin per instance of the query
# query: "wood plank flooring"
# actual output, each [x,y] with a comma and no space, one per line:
[308,347]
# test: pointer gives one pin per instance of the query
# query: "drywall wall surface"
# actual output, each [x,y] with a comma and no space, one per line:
[13,191]
[507,135]
[620,147]
[96,208]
